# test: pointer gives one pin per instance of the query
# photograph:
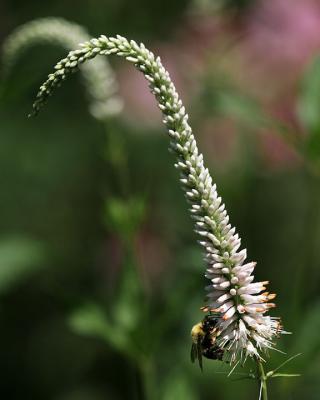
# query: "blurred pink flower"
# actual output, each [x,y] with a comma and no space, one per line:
[276,152]
[282,35]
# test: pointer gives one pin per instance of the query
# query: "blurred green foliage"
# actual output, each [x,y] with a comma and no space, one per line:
[19,259]
[101,279]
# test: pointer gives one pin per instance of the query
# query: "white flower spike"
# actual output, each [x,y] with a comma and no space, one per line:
[238,326]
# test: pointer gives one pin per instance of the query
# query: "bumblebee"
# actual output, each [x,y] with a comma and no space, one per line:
[203,337]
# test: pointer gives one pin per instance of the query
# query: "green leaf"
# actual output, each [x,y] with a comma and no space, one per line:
[284,375]
[19,258]
[91,320]
[120,328]
[124,216]
[273,372]
[129,303]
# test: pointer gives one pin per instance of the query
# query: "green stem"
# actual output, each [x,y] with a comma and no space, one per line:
[148,379]
[263,381]
[116,157]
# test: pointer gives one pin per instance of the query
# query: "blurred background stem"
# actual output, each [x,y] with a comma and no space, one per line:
[116,156]
[311,236]
[147,371]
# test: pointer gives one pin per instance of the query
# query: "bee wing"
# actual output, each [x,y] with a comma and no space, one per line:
[193,354]
[196,353]
[199,354]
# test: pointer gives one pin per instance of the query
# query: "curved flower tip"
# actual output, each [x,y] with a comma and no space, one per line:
[99,78]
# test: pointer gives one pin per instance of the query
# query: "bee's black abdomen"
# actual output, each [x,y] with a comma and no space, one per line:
[204,340]
[209,349]
[213,353]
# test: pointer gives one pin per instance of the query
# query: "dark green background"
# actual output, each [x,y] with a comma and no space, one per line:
[101,278]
